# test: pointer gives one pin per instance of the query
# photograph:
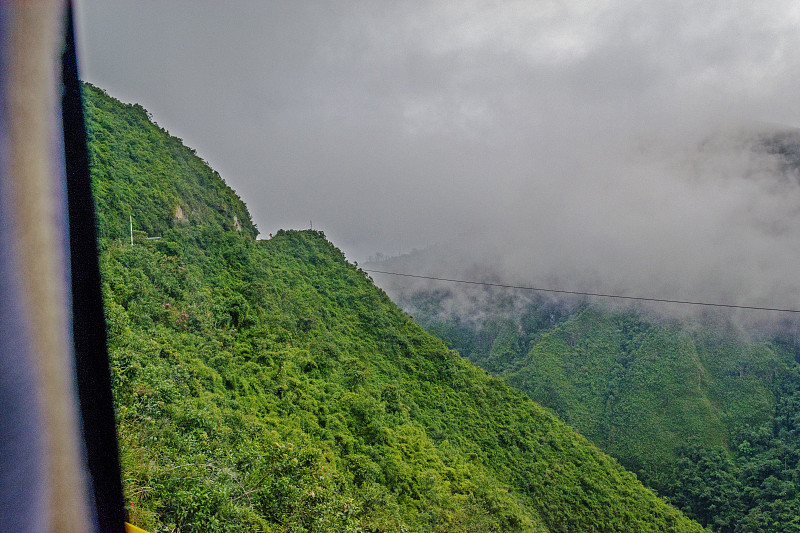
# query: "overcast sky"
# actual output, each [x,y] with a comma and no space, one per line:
[587,142]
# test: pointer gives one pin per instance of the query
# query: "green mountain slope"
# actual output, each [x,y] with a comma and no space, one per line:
[270,386]
[141,171]
[701,414]
[605,370]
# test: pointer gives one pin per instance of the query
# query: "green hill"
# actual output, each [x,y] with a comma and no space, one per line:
[270,386]
[604,370]
[699,412]
[139,170]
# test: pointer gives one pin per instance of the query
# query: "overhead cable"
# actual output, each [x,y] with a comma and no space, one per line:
[592,294]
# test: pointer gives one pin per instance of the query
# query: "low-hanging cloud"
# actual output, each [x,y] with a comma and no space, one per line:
[612,146]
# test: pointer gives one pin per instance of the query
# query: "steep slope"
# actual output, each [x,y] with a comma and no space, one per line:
[604,370]
[679,403]
[140,171]
[270,386]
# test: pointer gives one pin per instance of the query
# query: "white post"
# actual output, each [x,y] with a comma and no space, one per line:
[131,217]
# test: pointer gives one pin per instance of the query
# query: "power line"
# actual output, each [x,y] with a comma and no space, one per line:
[594,294]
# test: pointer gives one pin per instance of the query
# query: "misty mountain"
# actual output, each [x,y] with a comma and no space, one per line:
[268,385]
[701,410]
[711,217]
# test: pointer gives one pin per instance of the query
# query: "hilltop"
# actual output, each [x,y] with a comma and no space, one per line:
[268,385]
[140,171]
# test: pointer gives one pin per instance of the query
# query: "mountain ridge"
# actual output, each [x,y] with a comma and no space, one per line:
[268,385]
[663,396]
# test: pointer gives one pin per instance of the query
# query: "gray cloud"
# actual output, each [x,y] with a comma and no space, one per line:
[593,144]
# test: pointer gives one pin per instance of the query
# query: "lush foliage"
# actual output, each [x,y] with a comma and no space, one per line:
[756,487]
[704,416]
[270,386]
[140,171]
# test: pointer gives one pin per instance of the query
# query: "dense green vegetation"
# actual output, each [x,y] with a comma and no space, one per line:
[704,416]
[141,171]
[270,386]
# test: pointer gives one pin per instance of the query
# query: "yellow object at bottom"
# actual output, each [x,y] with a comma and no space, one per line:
[133,529]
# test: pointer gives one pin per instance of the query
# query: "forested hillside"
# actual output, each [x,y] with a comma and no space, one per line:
[270,386]
[140,171]
[700,412]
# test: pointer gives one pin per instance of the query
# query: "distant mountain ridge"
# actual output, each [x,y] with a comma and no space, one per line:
[680,402]
[270,386]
